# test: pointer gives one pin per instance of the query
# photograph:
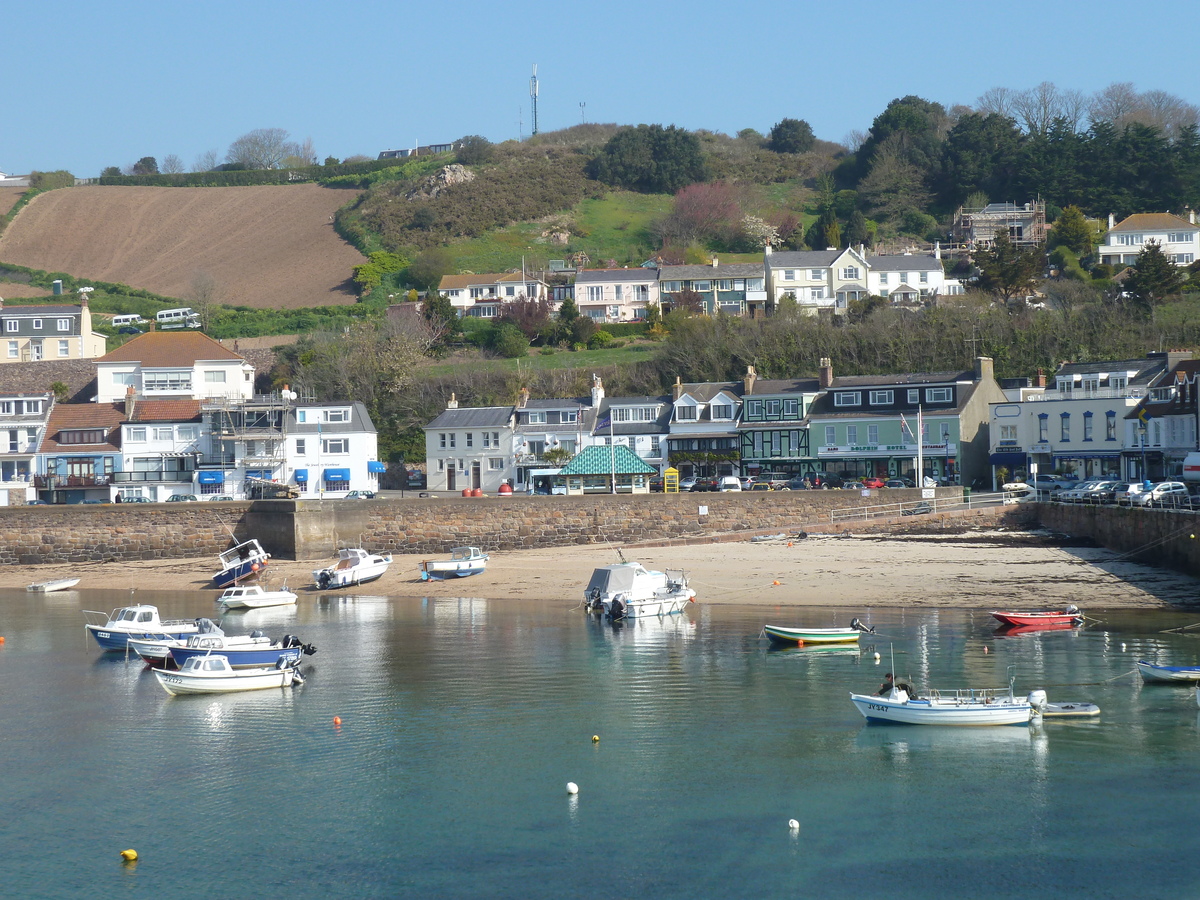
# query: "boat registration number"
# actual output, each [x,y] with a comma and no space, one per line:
[103,634]
[172,679]
[877,707]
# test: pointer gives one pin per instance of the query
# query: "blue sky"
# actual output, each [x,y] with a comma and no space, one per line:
[97,84]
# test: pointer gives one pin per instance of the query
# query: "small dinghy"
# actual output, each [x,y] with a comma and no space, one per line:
[1070,710]
[1177,674]
[782,634]
[58,584]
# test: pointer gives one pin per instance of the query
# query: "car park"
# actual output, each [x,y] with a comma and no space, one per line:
[1125,492]
[1164,494]
[182,498]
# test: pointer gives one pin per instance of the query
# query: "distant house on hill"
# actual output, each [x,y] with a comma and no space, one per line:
[427,150]
[1179,238]
[174,365]
[481,295]
[49,331]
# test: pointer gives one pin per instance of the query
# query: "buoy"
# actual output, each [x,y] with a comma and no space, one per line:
[789,543]
[129,855]
[793,824]
[1,640]
[985,651]
[337,720]
[595,738]
[876,656]
[775,582]
[1122,646]
[572,787]
[253,567]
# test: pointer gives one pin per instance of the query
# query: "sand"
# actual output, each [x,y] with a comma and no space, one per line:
[971,570]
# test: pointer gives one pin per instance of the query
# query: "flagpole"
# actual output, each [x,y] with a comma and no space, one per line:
[612,447]
[920,448]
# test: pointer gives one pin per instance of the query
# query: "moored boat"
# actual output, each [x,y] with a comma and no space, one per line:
[140,621]
[782,634]
[156,651]
[1070,615]
[354,566]
[463,561]
[254,596]
[212,674]
[1177,674]
[630,590]
[970,706]
[57,584]
[254,649]
[239,562]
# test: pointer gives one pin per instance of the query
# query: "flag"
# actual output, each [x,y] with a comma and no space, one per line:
[605,421]
[904,426]
[1144,416]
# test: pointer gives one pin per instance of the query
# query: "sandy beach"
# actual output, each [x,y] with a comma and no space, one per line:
[968,570]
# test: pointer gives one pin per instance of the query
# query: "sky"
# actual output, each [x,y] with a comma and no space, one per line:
[92,84]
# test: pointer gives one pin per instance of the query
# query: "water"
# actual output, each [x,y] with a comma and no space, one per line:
[463,720]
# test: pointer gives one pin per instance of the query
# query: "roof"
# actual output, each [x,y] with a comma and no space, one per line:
[360,420]
[802,259]
[165,410]
[1183,403]
[702,273]
[704,391]
[1145,369]
[660,425]
[473,417]
[1153,222]
[42,311]
[455,282]
[607,460]
[764,386]
[609,275]
[80,416]
[884,381]
[823,408]
[904,262]
[170,349]
[36,376]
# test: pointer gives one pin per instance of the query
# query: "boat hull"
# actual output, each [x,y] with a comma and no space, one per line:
[435,570]
[261,601]
[658,606]
[783,635]
[1002,711]
[240,658]
[111,639]
[1168,674]
[155,653]
[46,587]
[178,683]
[1045,619]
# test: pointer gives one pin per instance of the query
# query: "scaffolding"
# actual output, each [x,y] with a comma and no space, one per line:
[976,228]
[260,424]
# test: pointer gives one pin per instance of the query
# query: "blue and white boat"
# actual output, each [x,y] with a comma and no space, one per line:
[140,621]
[1176,674]
[243,561]
[463,561]
[253,649]
[156,651]
[900,705]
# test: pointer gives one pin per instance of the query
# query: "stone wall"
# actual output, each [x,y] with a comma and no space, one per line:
[1159,537]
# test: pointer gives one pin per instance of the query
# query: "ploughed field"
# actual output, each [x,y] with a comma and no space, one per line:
[268,246]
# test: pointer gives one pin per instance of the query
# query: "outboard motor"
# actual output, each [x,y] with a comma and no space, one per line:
[616,608]
[595,600]
[1037,699]
[324,580]
[866,629]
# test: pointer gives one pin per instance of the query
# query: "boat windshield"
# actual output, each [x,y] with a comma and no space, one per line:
[612,579]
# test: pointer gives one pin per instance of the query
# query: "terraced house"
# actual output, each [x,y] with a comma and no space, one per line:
[816,279]
[49,332]
[616,295]
[482,295]
[735,289]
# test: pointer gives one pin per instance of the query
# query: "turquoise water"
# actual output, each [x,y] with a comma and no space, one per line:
[463,720]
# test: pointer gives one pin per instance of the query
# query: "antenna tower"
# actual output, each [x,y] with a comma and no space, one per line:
[533,95]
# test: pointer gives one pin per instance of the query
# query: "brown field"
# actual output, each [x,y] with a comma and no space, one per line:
[264,246]
[11,290]
[9,196]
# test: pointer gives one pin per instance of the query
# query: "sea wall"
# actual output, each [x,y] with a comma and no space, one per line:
[1160,537]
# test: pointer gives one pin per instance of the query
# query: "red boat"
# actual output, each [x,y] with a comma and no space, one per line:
[1060,617]
[1016,630]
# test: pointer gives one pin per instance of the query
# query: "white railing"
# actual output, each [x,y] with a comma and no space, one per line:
[931,506]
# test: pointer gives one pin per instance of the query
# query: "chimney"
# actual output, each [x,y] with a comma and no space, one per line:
[677,389]
[1175,357]
[1192,216]
[130,397]
[767,250]
[1111,221]
[984,369]
[716,262]
[597,390]
[826,377]
[937,249]
[453,404]
[1040,379]
[523,398]
[748,381]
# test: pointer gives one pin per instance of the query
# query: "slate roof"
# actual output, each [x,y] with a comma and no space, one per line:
[608,276]
[660,425]
[84,416]
[1184,401]
[603,461]
[1146,369]
[1153,222]
[360,420]
[36,376]
[767,386]
[170,349]
[703,273]
[473,417]
[885,381]
[704,391]
[802,259]
[823,408]
[904,262]
[43,312]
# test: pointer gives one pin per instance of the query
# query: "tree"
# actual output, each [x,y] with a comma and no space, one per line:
[263,148]
[702,213]
[474,149]
[1072,230]
[1007,270]
[980,154]
[429,266]
[535,318]
[913,128]
[568,312]
[791,136]
[1153,277]
[172,164]
[650,159]
[109,171]
[206,161]
[689,302]
[893,184]
[441,314]
[147,165]
[509,342]
[205,294]
[860,230]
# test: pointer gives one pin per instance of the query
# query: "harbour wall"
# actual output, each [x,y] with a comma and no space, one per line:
[1159,537]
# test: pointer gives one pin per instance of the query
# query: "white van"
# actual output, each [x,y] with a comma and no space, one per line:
[177,318]
[134,319]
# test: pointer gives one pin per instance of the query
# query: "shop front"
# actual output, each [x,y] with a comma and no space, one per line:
[890,461]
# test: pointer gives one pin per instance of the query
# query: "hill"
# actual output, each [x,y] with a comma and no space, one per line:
[264,246]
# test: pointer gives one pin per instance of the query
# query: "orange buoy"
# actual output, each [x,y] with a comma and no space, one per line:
[337,721]
[774,582]
[1,640]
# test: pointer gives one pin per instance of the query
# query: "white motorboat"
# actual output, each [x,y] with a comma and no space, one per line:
[902,705]
[212,674]
[155,650]
[354,566]
[245,560]
[630,590]
[463,561]
[117,627]
[255,596]
[57,584]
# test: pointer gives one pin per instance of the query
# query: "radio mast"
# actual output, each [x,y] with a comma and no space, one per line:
[533,95]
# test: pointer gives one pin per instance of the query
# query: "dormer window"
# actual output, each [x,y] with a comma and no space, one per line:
[1162,395]
[847,398]
[722,411]
[536,418]
[685,413]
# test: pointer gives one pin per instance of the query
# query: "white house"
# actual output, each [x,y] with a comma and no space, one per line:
[909,277]
[173,365]
[1178,238]
[23,419]
[817,279]
[704,428]
[161,449]
[482,295]
[616,295]
[471,448]
[330,449]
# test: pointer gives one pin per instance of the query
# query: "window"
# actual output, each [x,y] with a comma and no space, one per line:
[337,415]
[495,463]
[335,445]
[722,411]
[939,395]
[33,407]
[1162,395]
[873,435]
[772,409]
[830,435]
[817,293]
[788,275]
[914,396]
[670,287]
[188,432]
[569,417]
[847,398]
[725,284]
[685,413]
[851,435]
[816,274]
[1179,237]
[655,447]
[14,349]
[441,465]
[1118,382]
[1043,428]
[478,293]
[754,284]
[302,416]
[453,437]
[1008,434]
[137,434]
[510,291]
[637,414]
[1087,426]
[754,409]
[12,326]
[1183,259]
[442,445]
[470,439]
[300,447]
[702,286]
[167,381]
[37,324]
[64,324]
[882,398]
[536,418]
[595,294]
[791,409]
[924,278]
[618,293]
[64,348]
[849,273]
[486,443]
[82,436]
[166,433]
[1129,240]
[214,377]
[1110,426]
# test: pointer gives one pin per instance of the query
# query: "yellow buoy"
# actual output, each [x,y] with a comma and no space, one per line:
[129,855]
[595,738]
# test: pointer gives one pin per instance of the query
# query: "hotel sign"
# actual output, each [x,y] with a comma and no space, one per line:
[889,450]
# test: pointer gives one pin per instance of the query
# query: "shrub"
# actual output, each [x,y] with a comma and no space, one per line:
[599,340]
[509,342]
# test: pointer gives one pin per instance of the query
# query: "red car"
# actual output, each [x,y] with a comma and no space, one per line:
[873,483]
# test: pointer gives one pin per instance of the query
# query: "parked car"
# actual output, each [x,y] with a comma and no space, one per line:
[896,483]
[219,497]
[707,483]
[729,483]
[129,329]
[761,486]
[1074,494]
[1124,492]
[746,481]
[134,500]
[1048,483]
[656,485]
[853,486]
[873,483]
[182,498]
[796,484]
[357,495]
[1164,494]
[686,484]
[775,479]
[105,500]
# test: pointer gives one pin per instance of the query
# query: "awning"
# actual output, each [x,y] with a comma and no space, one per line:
[261,474]
[337,474]
[1008,459]
[212,478]
[373,466]
[301,476]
